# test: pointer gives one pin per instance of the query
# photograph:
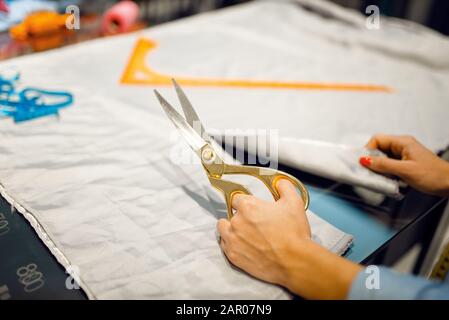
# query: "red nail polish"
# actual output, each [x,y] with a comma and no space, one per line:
[365,161]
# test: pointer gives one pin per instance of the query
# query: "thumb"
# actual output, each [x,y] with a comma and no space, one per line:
[287,190]
[289,194]
[385,165]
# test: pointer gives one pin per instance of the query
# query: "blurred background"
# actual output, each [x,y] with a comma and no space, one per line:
[36,25]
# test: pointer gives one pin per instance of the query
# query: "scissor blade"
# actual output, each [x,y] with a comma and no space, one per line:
[190,113]
[193,138]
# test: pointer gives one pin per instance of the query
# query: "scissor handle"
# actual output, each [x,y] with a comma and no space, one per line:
[269,177]
[229,189]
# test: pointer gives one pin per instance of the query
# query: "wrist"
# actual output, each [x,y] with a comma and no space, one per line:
[291,260]
[314,272]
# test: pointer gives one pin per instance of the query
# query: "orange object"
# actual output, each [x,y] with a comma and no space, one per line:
[137,72]
[37,24]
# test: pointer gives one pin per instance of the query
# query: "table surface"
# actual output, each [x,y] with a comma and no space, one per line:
[369,233]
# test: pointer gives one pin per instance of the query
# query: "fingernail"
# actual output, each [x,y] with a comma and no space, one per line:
[365,161]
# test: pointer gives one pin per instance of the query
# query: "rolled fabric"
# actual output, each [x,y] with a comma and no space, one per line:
[120,17]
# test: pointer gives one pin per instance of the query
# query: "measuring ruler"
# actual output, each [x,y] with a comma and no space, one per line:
[137,72]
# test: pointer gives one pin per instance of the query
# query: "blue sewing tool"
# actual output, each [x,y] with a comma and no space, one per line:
[29,103]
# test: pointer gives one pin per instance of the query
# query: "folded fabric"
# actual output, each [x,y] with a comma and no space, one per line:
[336,162]
[333,161]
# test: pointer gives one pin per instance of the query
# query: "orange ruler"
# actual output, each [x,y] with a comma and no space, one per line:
[137,72]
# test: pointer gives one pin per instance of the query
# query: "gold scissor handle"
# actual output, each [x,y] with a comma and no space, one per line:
[229,189]
[267,175]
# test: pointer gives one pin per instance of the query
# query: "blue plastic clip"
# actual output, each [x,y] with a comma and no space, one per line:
[30,103]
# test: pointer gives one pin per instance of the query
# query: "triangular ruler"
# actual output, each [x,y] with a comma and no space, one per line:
[137,72]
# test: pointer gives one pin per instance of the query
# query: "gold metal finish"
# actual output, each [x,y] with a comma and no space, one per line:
[268,176]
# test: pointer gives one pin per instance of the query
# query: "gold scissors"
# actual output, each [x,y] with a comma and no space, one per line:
[193,131]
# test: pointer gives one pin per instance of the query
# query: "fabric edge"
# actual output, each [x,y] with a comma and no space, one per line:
[44,236]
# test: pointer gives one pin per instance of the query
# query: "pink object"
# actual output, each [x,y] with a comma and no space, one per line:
[3,6]
[120,17]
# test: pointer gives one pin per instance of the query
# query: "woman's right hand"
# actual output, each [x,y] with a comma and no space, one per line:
[412,162]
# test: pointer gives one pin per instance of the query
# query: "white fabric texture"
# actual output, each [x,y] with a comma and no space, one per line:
[108,200]
[97,185]
[336,161]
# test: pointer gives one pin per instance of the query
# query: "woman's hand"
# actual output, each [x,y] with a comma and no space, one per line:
[260,234]
[412,162]
[272,241]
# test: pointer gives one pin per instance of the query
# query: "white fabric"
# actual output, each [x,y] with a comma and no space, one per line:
[337,162]
[97,185]
[105,197]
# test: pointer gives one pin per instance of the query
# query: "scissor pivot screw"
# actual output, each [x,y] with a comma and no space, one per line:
[208,155]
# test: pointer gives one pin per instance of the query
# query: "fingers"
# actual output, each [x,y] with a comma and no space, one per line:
[388,166]
[286,189]
[389,144]
[289,193]
[374,142]
[240,201]
[246,204]
[223,227]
